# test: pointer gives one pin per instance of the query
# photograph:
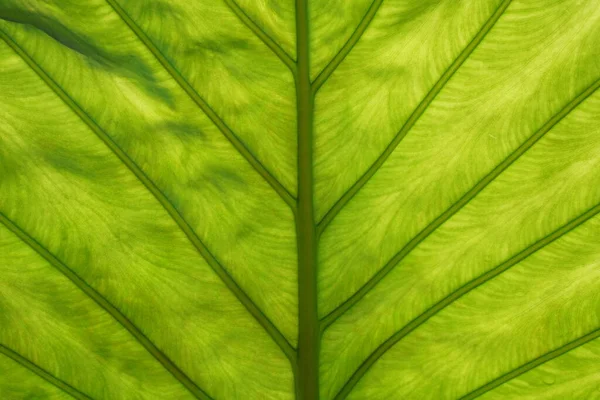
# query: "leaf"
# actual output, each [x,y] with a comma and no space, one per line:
[314,199]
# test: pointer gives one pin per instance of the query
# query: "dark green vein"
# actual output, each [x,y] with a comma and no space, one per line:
[532,364]
[65,387]
[307,376]
[347,47]
[262,319]
[464,200]
[106,305]
[473,284]
[414,117]
[262,35]
[210,113]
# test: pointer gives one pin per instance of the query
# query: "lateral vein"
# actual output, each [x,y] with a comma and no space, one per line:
[239,293]
[452,297]
[262,35]
[42,373]
[347,47]
[414,117]
[205,107]
[464,200]
[532,364]
[108,307]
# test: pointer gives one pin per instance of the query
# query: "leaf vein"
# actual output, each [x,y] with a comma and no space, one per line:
[533,364]
[262,35]
[108,307]
[466,288]
[347,47]
[42,373]
[250,306]
[414,117]
[205,107]
[464,200]
[307,374]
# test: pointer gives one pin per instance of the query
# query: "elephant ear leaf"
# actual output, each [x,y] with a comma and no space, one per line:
[299,199]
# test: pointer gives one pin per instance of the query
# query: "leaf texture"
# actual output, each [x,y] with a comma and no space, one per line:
[299,199]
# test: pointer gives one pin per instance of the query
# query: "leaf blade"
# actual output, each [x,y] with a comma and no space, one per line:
[464,200]
[163,200]
[82,168]
[256,164]
[174,158]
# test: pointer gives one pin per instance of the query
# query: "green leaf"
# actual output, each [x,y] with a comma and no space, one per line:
[309,199]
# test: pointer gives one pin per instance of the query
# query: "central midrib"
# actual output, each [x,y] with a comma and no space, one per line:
[307,381]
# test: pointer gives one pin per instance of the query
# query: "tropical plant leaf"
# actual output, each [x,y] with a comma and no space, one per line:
[368,199]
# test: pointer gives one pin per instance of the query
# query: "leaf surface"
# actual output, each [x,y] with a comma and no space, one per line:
[278,199]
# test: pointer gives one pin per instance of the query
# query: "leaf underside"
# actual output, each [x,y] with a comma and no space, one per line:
[310,199]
